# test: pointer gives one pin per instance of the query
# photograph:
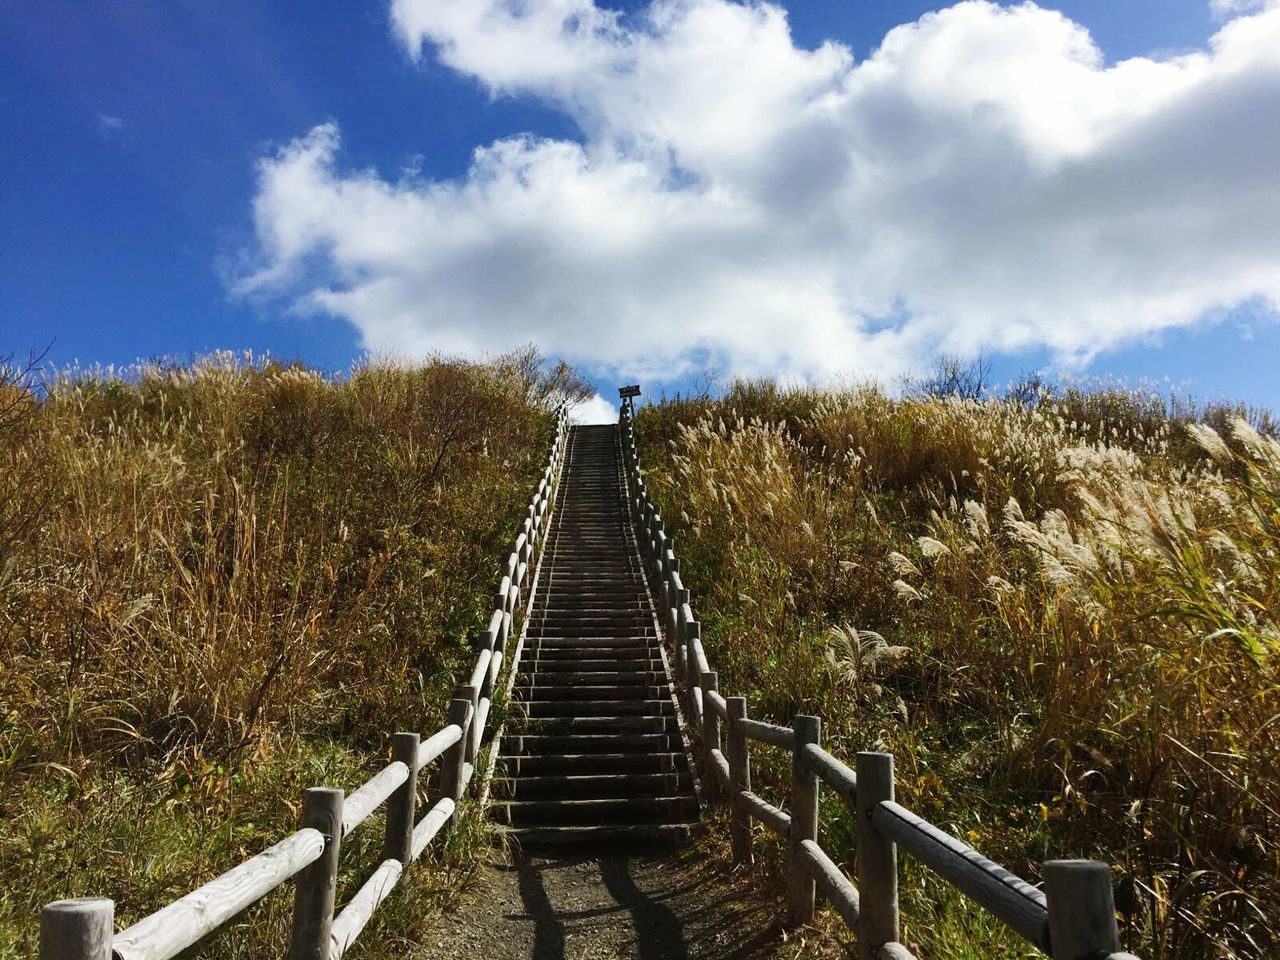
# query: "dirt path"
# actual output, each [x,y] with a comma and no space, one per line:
[648,904]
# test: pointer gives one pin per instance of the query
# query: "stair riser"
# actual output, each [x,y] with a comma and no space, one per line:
[564,726]
[592,812]
[537,745]
[540,709]
[593,749]
[599,787]
[549,765]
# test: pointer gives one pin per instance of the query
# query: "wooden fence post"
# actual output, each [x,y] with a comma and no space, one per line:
[318,881]
[401,813]
[451,772]
[1082,911]
[877,857]
[710,737]
[739,780]
[80,929]
[801,891]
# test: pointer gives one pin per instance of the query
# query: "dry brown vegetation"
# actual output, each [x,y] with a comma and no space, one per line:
[1059,610]
[225,582]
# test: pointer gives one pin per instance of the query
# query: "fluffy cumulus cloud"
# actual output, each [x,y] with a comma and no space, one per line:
[984,180]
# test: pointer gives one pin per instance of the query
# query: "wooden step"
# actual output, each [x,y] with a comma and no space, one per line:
[529,745]
[593,751]
[634,724]
[669,833]
[534,708]
[613,810]
[592,786]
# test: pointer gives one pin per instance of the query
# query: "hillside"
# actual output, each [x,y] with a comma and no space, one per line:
[224,582]
[1057,609]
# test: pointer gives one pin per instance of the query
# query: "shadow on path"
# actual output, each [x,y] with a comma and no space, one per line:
[617,902]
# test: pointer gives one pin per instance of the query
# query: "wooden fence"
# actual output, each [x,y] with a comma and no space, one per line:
[1072,918]
[84,929]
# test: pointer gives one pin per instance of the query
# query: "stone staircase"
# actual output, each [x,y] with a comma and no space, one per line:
[593,749]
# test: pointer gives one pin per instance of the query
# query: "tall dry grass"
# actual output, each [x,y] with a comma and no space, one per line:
[224,582]
[1059,611]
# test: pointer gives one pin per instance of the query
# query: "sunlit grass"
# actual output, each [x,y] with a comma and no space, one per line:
[226,582]
[1058,612]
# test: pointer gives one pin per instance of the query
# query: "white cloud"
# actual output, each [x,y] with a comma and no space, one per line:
[982,181]
[109,123]
[1225,9]
[594,410]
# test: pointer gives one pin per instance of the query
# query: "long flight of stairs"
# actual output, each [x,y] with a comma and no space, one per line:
[593,749]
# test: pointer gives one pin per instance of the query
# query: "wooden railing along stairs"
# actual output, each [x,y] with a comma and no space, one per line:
[596,749]
[84,929]
[1072,918]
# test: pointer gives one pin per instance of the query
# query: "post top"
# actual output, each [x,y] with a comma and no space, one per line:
[81,905]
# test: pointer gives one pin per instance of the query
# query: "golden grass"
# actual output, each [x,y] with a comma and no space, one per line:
[1060,614]
[225,582]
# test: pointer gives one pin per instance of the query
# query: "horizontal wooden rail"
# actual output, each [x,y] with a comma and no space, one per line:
[82,929]
[717,704]
[720,764]
[699,657]
[496,621]
[831,771]
[894,951]
[1007,896]
[172,929]
[769,733]
[481,670]
[833,884]
[357,807]
[430,825]
[1074,919]
[438,743]
[773,818]
[348,924]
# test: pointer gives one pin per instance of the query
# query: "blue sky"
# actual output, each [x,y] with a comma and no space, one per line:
[132,133]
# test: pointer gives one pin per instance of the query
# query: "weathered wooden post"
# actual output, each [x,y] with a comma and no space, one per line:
[80,929]
[739,780]
[711,737]
[801,891]
[401,813]
[1082,910]
[318,881]
[877,857]
[453,779]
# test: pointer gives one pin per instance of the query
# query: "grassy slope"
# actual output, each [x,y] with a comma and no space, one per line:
[1074,604]
[222,584]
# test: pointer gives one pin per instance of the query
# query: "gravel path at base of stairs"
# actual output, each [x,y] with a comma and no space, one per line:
[628,902]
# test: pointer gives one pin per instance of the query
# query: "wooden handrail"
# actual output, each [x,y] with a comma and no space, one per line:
[348,924]
[776,820]
[1003,894]
[1078,903]
[172,929]
[833,884]
[82,929]
[769,733]
[372,795]
[831,771]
